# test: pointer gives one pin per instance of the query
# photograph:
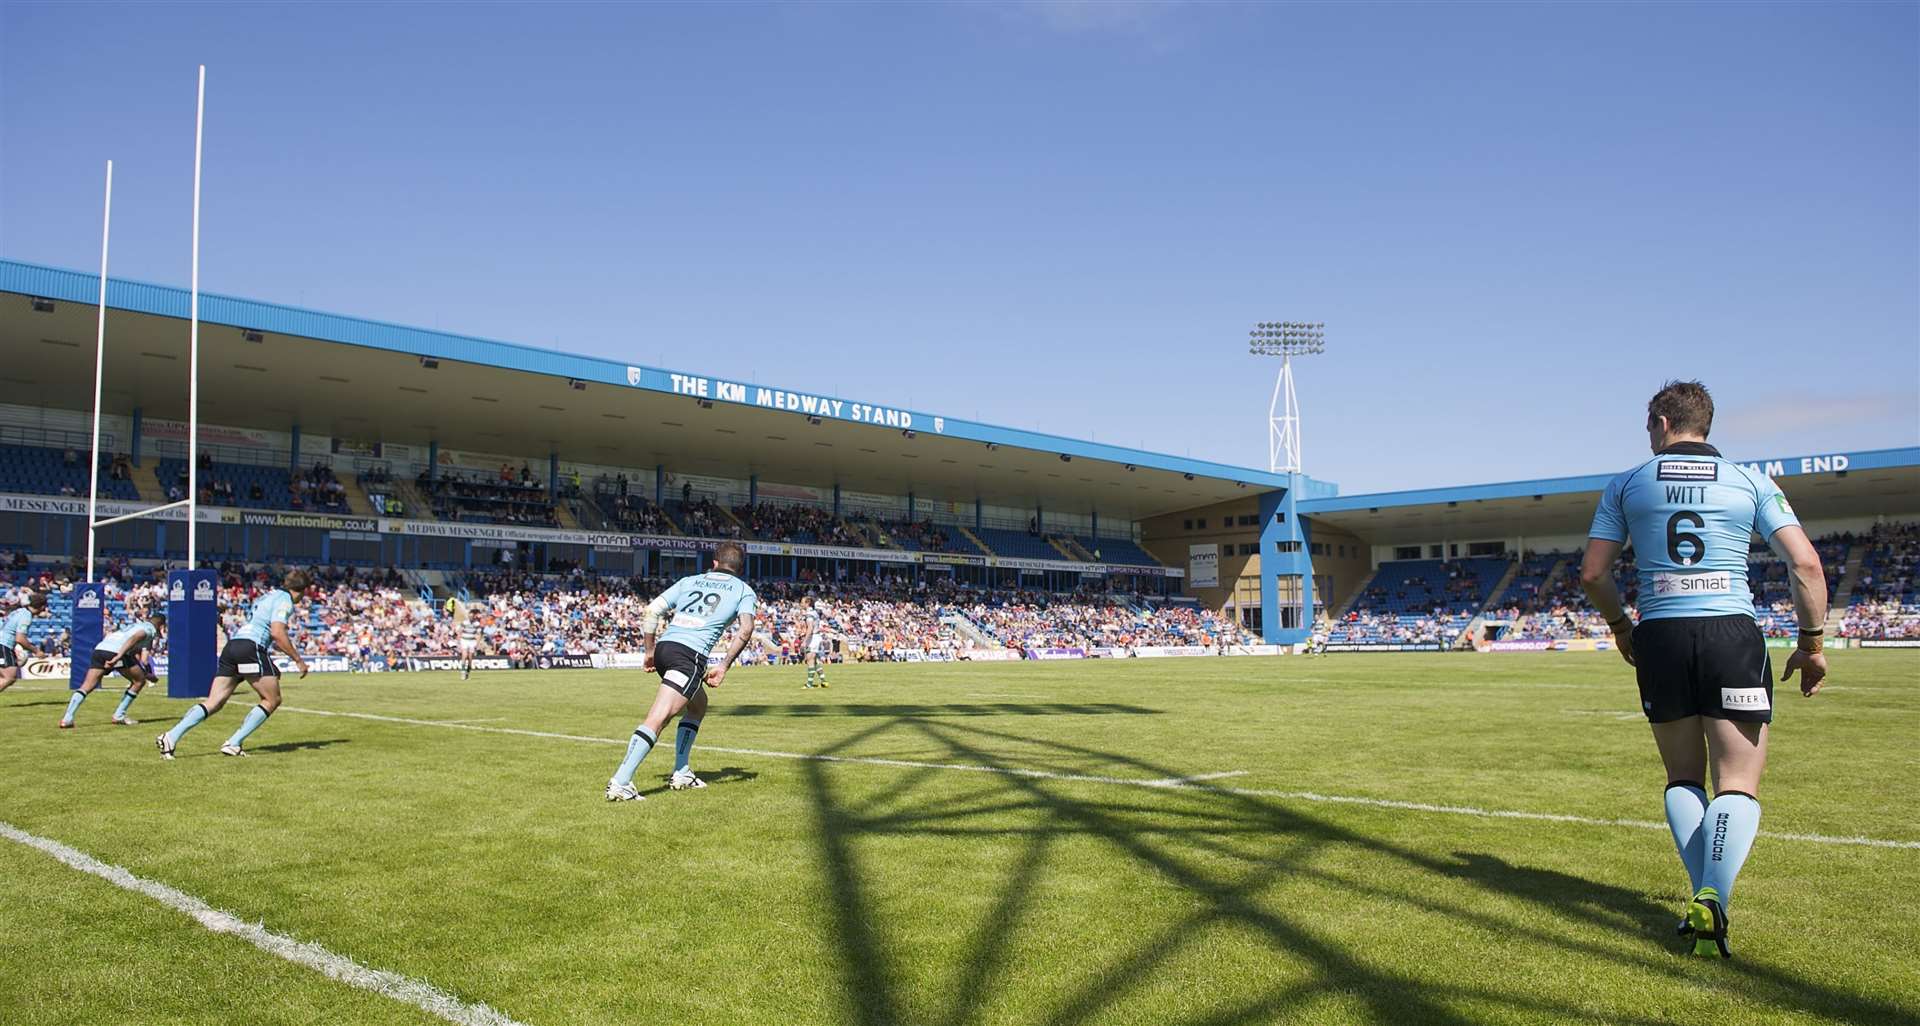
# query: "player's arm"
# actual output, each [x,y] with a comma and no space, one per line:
[126,648]
[738,645]
[284,642]
[1605,539]
[650,626]
[1596,579]
[1808,582]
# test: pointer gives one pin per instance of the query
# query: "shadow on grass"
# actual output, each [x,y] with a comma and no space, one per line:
[908,711]
[1185,838]
[298,746]
[725,775]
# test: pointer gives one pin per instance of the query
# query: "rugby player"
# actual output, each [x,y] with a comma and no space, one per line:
[702,608]
[248,656]
[813,643]
[13,635]
[469,642]
[119,652]
[1706,680]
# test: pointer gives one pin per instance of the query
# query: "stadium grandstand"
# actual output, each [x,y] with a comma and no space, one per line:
[555,493]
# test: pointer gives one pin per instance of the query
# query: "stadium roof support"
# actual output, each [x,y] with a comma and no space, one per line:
[271,366]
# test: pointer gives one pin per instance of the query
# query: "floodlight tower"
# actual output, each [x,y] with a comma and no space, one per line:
[1285,339]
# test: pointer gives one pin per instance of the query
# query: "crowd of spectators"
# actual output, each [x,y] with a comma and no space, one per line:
[502,498]
[806,525]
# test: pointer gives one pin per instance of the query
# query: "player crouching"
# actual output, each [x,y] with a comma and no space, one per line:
[703,607]
[119,653]
[13,636]
[248,656]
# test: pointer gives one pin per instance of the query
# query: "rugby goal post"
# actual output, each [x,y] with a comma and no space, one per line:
[192,612]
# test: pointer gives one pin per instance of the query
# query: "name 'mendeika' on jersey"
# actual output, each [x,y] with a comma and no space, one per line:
[1691,515]
[702,607]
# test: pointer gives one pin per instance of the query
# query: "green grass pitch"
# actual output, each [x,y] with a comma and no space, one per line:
[1091,879]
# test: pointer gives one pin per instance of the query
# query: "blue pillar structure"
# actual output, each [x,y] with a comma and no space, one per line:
[134,450]
[433,464]
[88,627]
[660,484]
[753,489]
[1039,518]
[293,454]
[1093,531]
[553,475]
[1280,526]
[909,507]
[192,615]
[979,514]
[836,498]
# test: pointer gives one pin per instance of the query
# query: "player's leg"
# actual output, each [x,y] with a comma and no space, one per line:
[806,659]
[1736,708]
[1683,751]
[683,738]
[1665,670]
[87,684]
[216,698]
[137,681]
[8,671]
[268,688]
[820,659]
[667,704]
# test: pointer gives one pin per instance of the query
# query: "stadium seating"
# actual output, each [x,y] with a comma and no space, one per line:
[486,499]
[1116,550]
[38,470]
[1018,544]
[253,486]
[927,536]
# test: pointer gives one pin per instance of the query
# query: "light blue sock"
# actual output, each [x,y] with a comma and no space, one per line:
[126,702]
[637,748]
[1686,811]
[255,717]
[1733,818]
[73,706]
[683,743]
[191,720]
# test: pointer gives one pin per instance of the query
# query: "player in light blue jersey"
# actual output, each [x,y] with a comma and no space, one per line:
[1706,682]
[248,656]
[701,609]
[13,636]
[119,652]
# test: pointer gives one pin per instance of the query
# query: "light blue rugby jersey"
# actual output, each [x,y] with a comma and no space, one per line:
[1691,514]
[274,607]
[142,629]
[704,606]
[14,630]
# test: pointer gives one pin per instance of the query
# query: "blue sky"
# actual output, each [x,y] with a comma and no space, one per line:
[1515,220]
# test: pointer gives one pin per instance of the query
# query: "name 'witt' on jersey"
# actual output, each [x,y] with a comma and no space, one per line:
[1691,517]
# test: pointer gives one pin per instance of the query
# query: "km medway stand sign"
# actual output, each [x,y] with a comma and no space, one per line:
[192,616]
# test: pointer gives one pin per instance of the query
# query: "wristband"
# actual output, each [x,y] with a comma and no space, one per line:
[1812,633]
[1615,624]
[1812,644]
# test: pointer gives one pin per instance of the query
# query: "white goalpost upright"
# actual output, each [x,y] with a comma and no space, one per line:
[193,339]
[191,501]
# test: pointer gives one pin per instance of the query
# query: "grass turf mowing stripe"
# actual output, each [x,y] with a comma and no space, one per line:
[1175,783]
[405,989]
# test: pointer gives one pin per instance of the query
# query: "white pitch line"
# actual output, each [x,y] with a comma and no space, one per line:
[1173,783]
[404,989]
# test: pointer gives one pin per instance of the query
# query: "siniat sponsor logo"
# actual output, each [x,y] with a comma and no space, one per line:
[90,600]
[1719,835]
[203,591]
[178,594]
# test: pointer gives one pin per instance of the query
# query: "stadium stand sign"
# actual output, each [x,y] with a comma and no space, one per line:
[57,505]
[701,387]
[564,661]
